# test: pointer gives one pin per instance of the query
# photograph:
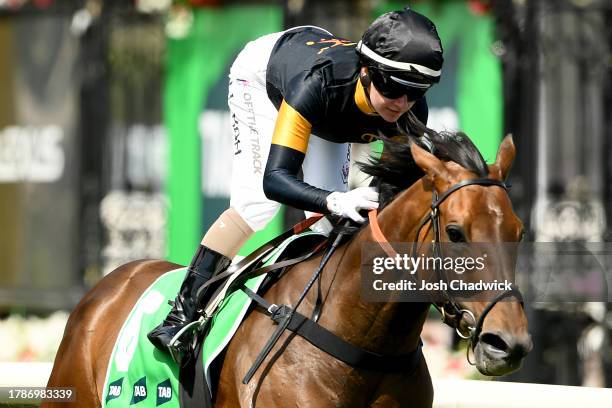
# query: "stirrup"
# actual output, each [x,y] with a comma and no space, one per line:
[184,340]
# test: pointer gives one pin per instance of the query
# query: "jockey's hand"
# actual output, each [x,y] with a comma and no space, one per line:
[348,204]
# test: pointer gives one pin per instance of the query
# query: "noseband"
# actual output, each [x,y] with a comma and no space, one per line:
[452,313]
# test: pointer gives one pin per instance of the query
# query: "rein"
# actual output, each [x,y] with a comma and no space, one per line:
[283,320]
[287,318]
[455,315]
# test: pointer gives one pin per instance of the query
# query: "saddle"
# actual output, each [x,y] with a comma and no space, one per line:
[140,373]
[271,263]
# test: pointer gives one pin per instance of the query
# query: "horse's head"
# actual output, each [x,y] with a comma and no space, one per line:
[473,210]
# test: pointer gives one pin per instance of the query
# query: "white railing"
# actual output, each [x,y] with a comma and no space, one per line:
[16,375]
[24,374]
[498,394]
[448,393]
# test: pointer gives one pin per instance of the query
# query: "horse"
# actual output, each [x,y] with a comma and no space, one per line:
[296,372]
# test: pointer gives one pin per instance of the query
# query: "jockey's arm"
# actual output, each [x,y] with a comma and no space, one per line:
[281,184]
[289,145]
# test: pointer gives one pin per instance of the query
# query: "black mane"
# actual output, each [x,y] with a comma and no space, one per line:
[396,169]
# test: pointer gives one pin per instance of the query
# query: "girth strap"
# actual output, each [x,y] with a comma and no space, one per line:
[335,346]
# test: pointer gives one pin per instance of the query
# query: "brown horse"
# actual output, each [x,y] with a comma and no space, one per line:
[302,375]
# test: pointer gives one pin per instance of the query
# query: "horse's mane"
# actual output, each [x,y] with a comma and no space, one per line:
[396,169]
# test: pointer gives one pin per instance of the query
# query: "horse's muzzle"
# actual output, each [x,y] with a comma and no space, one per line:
[499,354]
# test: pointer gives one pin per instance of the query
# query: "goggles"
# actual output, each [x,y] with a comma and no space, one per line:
[393,87]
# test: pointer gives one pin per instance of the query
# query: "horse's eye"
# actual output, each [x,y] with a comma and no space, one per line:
[455,234]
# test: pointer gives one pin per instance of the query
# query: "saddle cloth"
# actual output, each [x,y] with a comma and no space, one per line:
[140,374]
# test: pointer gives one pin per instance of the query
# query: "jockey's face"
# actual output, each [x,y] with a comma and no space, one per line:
[389,109]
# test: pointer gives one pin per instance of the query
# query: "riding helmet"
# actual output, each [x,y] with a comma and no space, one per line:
[405,45]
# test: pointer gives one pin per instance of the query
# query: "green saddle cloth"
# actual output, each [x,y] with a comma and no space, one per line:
[139,374]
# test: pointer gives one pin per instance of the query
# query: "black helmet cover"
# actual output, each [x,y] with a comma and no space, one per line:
[404,43]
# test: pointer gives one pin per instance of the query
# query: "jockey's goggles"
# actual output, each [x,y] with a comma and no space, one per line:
[391,85]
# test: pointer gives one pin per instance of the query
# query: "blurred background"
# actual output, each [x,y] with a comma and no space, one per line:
[115,143]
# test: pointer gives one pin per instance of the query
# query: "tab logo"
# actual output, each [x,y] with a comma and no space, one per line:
[140,391]
[164,392]
[114,390]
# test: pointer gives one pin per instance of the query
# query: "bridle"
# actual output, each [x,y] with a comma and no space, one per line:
[452,313]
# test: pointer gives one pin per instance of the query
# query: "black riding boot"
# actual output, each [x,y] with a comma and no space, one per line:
[204,265]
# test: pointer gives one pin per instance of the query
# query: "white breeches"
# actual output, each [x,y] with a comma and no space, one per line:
[326,164]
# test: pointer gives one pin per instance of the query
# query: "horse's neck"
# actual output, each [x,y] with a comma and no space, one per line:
[384,327]
[400,219]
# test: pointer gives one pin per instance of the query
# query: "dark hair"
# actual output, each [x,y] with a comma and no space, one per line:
[396,169]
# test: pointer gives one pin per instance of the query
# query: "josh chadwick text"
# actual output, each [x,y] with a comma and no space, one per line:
[453,285]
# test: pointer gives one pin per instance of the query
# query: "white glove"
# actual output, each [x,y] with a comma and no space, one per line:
[348,204]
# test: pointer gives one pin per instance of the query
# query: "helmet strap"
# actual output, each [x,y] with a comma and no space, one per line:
[364,77]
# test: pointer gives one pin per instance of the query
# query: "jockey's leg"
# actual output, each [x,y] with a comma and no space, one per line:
[220,244]
[253,118]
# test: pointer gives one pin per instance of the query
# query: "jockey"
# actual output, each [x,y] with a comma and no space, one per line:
[297,99]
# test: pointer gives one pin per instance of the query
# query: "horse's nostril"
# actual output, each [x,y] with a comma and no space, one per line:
[494,341]
[511,349]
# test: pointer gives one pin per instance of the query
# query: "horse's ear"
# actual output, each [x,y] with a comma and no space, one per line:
[505,156]
[431,165]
